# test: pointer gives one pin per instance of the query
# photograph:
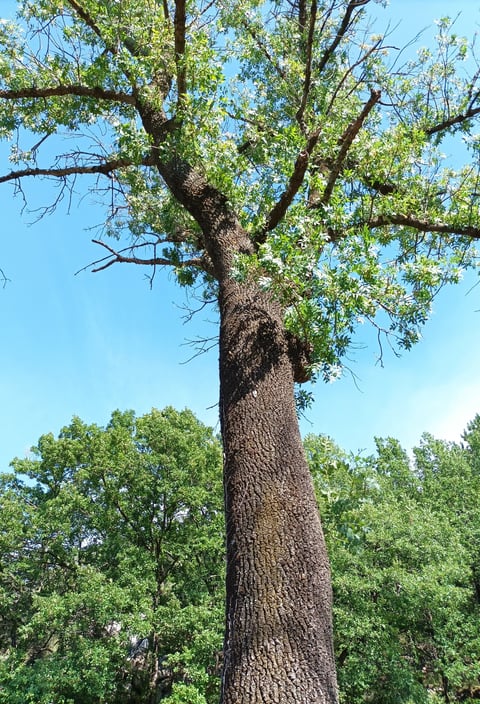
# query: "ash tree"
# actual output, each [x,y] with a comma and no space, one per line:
[290,161]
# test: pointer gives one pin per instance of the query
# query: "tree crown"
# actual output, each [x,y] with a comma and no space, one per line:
[321,141]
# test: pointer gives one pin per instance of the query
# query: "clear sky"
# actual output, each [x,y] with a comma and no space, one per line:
[89,343]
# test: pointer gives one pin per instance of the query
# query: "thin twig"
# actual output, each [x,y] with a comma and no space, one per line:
[118,258]
[342,30]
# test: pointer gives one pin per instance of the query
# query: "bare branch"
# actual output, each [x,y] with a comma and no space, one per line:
[296,179]
[424,225]
[106,169]
[71,90]
[3,278]
[346,142]
[118,258]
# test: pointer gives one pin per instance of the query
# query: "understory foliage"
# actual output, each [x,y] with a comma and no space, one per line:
[111,576]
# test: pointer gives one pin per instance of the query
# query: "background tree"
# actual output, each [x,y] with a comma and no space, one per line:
[280,154]
[112,564]
[108,594]
[403,540]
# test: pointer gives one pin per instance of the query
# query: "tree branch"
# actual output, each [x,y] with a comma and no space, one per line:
[179,23]
[118,258]
[296,179]
[424,225]
[106,169]
[308,64]
[346,142]
[263,48]
[89,21]
[342,30]
[74,90]
[451,121]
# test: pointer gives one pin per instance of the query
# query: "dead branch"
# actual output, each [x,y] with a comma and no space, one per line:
[105,169]
[116,257]
[3,278]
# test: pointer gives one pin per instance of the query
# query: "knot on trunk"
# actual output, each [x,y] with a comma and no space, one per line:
[300,353]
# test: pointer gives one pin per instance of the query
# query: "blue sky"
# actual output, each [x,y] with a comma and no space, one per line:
[89,343]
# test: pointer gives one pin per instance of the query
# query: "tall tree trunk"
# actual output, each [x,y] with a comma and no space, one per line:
[278,639]
[278,642]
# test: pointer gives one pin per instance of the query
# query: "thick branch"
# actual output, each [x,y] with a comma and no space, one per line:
[296,179]
[72,90]
[424,225]
[346,142]
[106,169]
[342,30]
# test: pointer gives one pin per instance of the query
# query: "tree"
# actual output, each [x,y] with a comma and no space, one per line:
[280,155]
[403,540]
[112,564]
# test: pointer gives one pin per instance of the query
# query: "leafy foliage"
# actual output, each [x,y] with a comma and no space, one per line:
[114,535]
[111,576]
[403,541]
[327,150]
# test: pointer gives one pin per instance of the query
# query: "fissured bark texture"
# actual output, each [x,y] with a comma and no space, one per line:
[278,642]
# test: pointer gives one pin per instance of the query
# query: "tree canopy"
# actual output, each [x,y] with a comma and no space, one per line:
[326,144]
[112,564]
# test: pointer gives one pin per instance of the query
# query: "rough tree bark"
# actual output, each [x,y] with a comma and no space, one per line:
[278,643]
